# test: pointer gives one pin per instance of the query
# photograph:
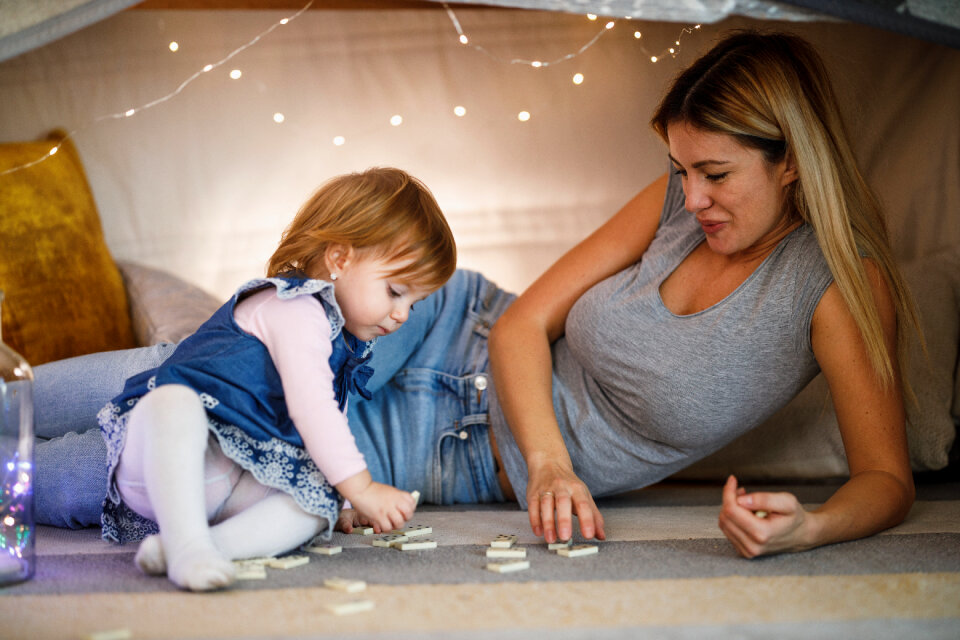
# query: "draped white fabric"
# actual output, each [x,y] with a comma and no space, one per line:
[27,24]
[204,183]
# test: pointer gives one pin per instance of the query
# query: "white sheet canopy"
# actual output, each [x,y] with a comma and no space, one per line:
[203,183]
[26,24]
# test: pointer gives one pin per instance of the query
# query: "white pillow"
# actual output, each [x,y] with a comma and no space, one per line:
[164,307]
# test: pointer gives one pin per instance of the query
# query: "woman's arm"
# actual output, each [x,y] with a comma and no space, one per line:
[880,490]
[521,363]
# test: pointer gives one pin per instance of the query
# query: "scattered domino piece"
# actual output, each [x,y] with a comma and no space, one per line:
[346,608]
[287,562]
[250,570]
[504,541]
[579,550]
[508,567]
[414,545]
[760,514]
[345,584]
[416,496]
[389,541]
[112,634]
[325,549]
[362,530]
[265,560]
[413,530]
[559,544]
[514,552]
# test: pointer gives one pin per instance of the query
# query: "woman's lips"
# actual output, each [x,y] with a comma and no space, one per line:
[710,226]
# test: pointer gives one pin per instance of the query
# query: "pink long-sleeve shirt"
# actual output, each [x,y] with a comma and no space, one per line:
[297,334]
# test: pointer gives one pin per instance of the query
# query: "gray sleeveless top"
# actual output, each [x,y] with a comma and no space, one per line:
[640,392]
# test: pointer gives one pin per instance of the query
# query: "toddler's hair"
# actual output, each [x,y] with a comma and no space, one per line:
[382,210]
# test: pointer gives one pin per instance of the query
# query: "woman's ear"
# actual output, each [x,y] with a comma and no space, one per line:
[337,257]
[790,173]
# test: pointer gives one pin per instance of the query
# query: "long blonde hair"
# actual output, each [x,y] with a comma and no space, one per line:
[771,92]
[383,210]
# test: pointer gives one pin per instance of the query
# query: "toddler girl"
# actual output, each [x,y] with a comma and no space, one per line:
[244,427]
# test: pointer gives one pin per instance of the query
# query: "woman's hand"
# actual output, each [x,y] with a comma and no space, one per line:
[763,523]
[554,495]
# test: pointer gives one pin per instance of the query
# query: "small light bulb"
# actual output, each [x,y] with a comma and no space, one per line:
[174,46]
[207,68]
[523,116]
[578,78]
[637,35]
[396,120]
[459,111]
[235,74]
[610,25]
[464,39]
[591,16]
[285,21]
[339,141]
[536,64]
[279,117]
[54,150]
[653,58]
[9,521]
[672,50]
[129,112]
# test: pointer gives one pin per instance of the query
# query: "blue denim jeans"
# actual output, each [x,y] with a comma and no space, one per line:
[425,428]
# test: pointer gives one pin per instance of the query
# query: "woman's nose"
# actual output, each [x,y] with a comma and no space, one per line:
[696,197]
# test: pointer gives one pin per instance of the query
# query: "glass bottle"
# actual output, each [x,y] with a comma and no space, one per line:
[17,529]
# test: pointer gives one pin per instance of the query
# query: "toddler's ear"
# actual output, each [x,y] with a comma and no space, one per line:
[337,257]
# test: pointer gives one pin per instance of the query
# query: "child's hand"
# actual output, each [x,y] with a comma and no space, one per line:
[381,506]
[349,520]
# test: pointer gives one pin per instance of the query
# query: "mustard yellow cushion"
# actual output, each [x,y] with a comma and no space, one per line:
[63,293]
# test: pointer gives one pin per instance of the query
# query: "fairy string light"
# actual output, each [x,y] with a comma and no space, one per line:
[539,64]
[465,40]
[339,140]
[127,113]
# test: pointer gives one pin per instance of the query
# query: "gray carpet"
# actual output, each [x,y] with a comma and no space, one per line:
[665,572]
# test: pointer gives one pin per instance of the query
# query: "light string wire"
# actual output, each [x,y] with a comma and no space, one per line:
[533,63]
[183,85]
[463,38]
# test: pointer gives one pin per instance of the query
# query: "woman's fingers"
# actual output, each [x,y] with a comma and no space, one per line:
[551,516]
[547,515]
[533,512]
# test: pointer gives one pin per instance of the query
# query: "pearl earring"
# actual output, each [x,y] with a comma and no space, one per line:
[333,276]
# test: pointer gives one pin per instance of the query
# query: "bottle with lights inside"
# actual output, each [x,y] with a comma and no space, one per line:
[17,527]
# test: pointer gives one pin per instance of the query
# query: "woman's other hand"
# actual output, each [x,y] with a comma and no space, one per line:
[763,523]
[554,495]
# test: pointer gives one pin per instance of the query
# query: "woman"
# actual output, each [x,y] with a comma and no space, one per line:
[692,315]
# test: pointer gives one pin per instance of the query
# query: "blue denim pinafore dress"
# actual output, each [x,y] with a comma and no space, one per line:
[246,410]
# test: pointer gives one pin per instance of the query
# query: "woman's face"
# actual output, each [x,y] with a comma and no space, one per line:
[733,191]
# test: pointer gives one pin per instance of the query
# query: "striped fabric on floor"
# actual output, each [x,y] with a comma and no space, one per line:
[665,571]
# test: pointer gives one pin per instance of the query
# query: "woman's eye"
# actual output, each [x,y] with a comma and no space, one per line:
[717,177]
[679,172]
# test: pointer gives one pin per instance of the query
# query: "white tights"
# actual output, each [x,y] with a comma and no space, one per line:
[172,471]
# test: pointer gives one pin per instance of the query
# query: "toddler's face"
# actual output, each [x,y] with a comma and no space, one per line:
[373,302]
